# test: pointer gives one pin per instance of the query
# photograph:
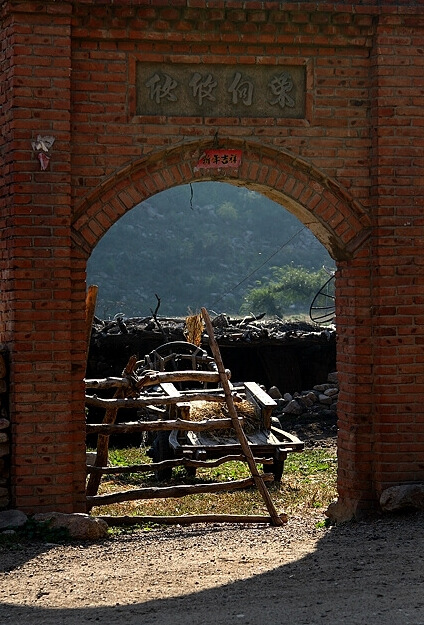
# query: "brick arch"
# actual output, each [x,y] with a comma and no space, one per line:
[317,200]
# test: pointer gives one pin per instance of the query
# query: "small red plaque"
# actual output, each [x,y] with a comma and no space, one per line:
[219,159]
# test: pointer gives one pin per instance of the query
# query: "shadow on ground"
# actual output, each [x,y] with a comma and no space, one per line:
[360,573]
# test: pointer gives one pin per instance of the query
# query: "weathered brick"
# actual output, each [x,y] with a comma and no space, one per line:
[353,162]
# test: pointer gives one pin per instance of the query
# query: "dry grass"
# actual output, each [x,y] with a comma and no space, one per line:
[308,484]
[203,410]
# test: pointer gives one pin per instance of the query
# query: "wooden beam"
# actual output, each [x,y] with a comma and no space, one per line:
[258,480]
[120,521]
[179,462]
[262,400]
[103,440]
[90,308]
[154,400]
[154,378]
[151,426]
[162,492]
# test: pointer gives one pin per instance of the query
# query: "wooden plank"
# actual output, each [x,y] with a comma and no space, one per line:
[261,438]
[154,378]
[259,394]
[170,390]
[158,400]
[289,440]
[120,521]
[151,426]
[179,462]
[106,383]
[262,400]
[163,492]
[103,440]
[257,478]
[90,308]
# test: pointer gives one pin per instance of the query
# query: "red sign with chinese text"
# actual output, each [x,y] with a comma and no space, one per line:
[219,158]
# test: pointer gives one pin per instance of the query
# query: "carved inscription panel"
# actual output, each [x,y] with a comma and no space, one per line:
[221,90]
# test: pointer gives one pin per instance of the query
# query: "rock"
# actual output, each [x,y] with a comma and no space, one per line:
[293,408]
[4,423]
[333,378]
[340,512]
[274,393]
[331,392]
[403,496]
[80,526]
[324,399]
[309,399]
[12,519]
[322,387]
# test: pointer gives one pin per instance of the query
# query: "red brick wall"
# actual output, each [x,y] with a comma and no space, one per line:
[37,293]
[351,170]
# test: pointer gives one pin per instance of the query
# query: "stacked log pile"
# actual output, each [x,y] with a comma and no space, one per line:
[4,432]
[290,355]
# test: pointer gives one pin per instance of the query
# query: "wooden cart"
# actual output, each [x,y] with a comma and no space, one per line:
[270,444]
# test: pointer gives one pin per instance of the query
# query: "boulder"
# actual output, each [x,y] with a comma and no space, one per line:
[403,496]
[325,399]
[340,512]
[274,392]
[331,392]
[293,407]
[10,519]
[80,526]
[333,378]
[4,423]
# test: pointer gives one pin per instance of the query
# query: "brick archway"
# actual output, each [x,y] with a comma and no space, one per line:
[334,133]
[339,222]
[318,201]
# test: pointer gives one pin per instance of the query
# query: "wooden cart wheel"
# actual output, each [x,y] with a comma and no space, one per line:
[323,307]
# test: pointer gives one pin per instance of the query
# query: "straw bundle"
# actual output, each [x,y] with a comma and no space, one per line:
[201,410]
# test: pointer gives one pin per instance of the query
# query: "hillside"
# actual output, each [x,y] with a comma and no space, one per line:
[205,244]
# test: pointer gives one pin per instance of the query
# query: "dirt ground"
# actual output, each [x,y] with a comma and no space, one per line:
[357,573]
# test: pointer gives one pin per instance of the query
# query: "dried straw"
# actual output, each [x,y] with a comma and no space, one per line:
[201,410]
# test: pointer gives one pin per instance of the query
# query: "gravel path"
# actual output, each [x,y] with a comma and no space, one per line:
[357,573]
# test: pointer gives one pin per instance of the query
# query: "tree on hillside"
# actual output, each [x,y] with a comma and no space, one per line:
[290,290]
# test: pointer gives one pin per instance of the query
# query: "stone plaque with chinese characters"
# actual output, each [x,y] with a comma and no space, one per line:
[191,90]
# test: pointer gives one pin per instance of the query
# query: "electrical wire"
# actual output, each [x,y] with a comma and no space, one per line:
[265,262]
